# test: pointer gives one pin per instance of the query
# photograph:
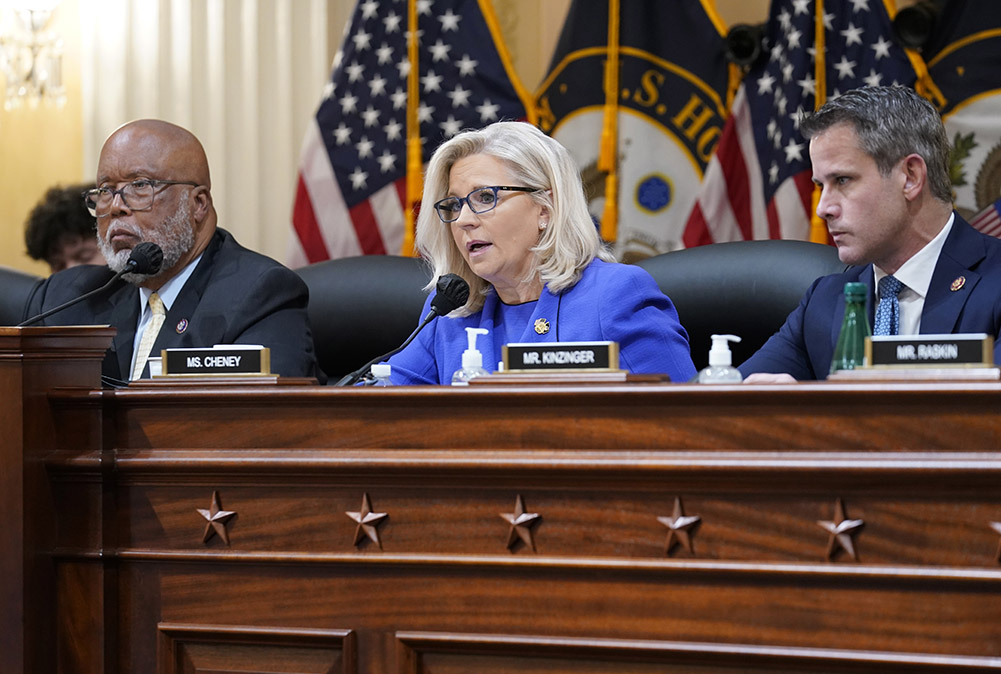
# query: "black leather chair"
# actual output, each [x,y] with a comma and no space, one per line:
[745,288]
[362,307]
[15,286]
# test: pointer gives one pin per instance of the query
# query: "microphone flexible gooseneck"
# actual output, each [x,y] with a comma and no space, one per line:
[145,258]
[452,293]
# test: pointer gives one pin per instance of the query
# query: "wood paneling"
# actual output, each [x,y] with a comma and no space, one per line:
[840,528]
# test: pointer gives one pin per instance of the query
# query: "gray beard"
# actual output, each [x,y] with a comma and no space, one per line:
[175,236]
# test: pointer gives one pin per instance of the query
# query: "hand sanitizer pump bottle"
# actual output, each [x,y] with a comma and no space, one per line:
[472,360]
[721,370]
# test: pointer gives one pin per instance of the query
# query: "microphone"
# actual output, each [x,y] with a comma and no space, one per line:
[145,258]
[452,293]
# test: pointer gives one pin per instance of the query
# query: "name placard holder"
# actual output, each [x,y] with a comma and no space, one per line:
[221,360]
[970,350]
[561,357]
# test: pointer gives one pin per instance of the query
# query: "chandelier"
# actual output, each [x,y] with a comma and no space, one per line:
[30,56]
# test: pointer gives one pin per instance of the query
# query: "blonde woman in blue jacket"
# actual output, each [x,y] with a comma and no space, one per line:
[504,208]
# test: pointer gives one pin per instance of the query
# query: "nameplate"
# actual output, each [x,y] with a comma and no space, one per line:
[561,356]
[972,350]
[219,360]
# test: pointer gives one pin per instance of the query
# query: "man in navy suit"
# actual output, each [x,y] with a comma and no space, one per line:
[881,159]
[153,185]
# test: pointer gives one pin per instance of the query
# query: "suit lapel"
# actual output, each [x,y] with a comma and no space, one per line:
[123,311]
[962,251]
[180,317]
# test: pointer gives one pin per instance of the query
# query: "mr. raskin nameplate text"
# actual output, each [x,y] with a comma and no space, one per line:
[971,350]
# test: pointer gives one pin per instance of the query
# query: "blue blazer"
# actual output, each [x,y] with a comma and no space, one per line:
[804,346]
[234,296]
[611,302]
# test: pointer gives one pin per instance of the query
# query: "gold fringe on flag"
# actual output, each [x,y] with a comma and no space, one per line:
[415,163]
[818,227]
[609,150]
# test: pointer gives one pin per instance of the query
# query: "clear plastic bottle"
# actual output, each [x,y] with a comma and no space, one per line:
[381,372]
[721,370]
[849,353]
[472,360]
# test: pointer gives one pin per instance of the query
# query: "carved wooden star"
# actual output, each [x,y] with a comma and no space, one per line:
[521,525]
[216,519]
[996,526]
[368,522]
[841,531]
[680,528]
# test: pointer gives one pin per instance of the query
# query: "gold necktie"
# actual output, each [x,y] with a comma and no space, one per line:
[149,335]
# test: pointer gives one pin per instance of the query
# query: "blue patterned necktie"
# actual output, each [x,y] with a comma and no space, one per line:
[888,310]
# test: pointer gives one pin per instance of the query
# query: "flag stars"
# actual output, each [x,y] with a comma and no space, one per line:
[431,82]
[394,130]
[882,48]
[399,98]
[387,161]
[355,71]
[362,40]
[450,126]
[466,65]
[424,7]
[364,148]
[342,134]
[828,21]
[377,86]
[785,19]
[449,21]
[392,22]
[359,179]
[852,35]
[766,84]
[424,112]
[371,116]
[369,9]
[773,173]
[860,5]
[384,54]
[439,51]
[845,68]
[801,6]
[794,151]
[793,39]
[874,78]
[349,103]
[459,96]
[403,68]
[328,90]
[808,86]
[488,111]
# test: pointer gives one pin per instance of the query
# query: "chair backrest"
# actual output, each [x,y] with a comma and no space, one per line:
[15,286]
[362,307]
[745,288]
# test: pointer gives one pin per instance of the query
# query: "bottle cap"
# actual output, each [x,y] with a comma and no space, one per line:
[720,354]
[856,292]
[382,370]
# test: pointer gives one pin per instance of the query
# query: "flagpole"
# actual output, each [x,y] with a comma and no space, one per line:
[818,226]
[415,161]
[607,155]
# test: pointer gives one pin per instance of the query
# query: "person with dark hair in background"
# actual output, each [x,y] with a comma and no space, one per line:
[153,185]
[60,231]
[881,159]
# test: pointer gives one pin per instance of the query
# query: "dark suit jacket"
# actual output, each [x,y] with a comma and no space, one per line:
[804,346]
[234,296]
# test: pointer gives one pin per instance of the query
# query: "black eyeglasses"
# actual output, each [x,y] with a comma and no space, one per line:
[480,200]
[136,195]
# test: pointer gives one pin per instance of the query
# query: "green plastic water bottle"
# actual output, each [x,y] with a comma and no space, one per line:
[850,350]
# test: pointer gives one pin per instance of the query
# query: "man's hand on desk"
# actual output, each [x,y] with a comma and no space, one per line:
[769,378]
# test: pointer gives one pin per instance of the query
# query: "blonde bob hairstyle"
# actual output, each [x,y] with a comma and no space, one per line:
[566,246]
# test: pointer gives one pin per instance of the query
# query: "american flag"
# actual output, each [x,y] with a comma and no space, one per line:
[352,193]
[758,184]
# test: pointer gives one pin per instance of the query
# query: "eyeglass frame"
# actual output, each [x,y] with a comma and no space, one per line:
[465,200]
[121,193]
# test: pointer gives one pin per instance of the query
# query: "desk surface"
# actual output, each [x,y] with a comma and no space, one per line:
[633,529]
